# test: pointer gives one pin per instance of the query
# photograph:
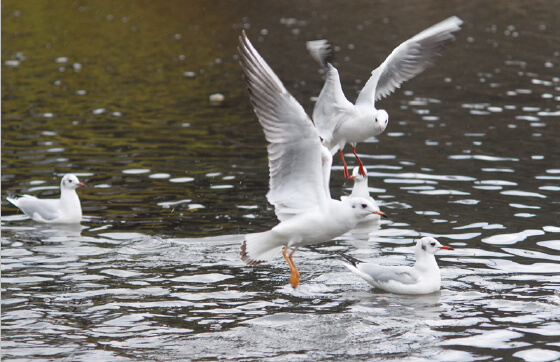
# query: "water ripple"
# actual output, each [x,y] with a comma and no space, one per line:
[513,238]
[153,272]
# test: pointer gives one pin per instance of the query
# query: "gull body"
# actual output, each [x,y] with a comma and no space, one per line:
[340,122]
[422,278]
[360,189]
[65,210]
[299,167]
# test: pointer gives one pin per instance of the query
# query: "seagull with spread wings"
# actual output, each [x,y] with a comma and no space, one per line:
[299,168]
[340,122]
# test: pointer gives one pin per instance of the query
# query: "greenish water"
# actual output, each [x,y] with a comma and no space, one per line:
[118,93]
[103,92]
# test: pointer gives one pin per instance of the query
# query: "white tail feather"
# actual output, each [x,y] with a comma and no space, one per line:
[260,247]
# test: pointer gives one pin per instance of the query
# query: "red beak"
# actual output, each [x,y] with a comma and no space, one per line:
[380,213]
[81,184]
[445,247]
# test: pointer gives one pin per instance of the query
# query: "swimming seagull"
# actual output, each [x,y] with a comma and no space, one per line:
[360,189]
[299,167]
[340,122]
[422,278]
[65,210]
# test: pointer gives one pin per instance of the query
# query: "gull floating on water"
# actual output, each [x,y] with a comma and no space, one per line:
[65,210]
[340,122]
[422,278]
[299,167]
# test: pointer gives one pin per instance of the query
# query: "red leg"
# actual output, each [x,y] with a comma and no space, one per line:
[346,174]
[361,170]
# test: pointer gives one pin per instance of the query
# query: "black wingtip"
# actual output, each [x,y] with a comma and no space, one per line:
[350,259]
[322,51]
[11,195]
[245,256]
[328,57]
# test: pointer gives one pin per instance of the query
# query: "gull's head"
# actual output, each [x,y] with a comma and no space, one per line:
[70,182]
[357,176]
[363,207]
[381,120]
[430,245]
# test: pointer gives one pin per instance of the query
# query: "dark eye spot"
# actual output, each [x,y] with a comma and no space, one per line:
[433,244]
[364,206]
[70,181]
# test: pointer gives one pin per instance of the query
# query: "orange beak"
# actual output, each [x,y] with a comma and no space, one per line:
[445,247]
[380,213]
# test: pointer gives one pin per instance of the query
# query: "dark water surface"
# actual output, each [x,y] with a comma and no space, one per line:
[118,93]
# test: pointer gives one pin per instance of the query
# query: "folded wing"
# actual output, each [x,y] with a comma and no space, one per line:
[36,208]
[386,274]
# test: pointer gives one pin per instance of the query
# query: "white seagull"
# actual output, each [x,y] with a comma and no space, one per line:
[340,122]
[299,167]
[66,210]
[422,278]
[360,189]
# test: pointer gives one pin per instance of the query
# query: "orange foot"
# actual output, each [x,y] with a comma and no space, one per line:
[294,273]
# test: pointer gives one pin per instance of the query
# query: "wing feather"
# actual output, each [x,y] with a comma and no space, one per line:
[331,101]
[385,274]
[34,207]
[294,150]
[409,59]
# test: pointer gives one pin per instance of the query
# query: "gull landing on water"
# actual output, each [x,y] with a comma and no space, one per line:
[299,167]
[65,210]
[340,122]
[422,278]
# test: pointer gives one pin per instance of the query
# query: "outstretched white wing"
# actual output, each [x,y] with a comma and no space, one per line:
[320,50]
[408,60]
[295,150]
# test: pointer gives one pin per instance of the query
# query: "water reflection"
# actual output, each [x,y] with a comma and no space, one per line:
[135,286]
